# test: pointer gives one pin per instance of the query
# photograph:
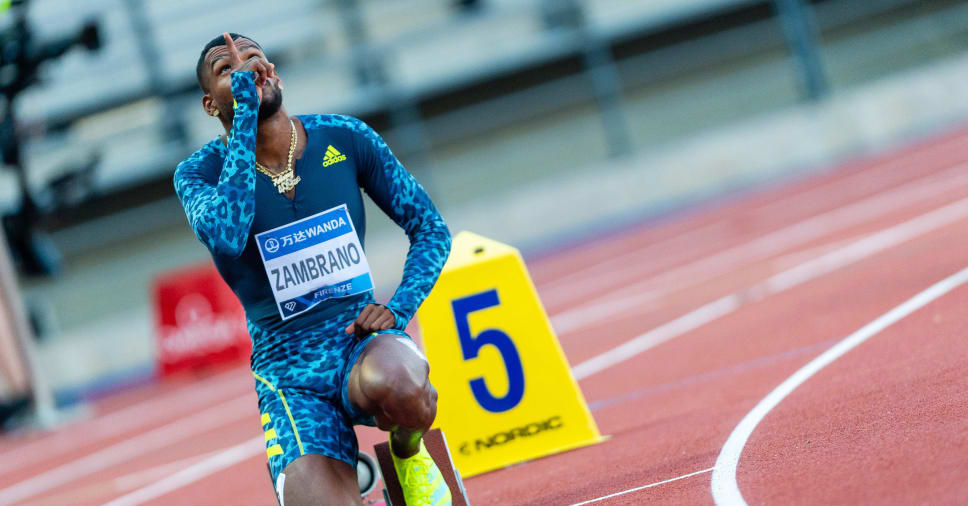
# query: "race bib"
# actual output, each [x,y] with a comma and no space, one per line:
[314,259]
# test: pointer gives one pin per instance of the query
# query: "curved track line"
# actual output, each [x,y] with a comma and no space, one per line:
[724,487]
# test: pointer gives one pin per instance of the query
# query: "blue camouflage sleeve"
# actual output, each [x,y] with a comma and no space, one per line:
[221,213]
[402,198]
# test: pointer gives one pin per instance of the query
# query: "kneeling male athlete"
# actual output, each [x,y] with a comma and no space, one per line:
[325,357]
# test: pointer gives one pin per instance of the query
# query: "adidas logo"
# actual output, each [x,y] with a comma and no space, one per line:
[333,156]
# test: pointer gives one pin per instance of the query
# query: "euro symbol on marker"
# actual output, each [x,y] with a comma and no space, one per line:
[272,245]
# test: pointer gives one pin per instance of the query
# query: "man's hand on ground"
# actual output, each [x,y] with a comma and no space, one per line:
[373,318]
[262,68]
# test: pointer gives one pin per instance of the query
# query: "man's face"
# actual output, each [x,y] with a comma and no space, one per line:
[218,62]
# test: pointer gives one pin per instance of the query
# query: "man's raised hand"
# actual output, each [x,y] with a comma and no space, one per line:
[256,63]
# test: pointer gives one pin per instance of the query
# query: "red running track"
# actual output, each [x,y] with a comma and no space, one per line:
[712,308]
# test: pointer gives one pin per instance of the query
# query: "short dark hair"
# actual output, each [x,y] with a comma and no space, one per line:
[217,41]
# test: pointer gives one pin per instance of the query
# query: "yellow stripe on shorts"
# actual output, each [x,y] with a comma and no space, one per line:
[291,422]
[270,434]
[264,382]
[265,418]
[274,450]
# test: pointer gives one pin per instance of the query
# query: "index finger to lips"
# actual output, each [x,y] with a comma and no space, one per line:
[261,70]
[233,51]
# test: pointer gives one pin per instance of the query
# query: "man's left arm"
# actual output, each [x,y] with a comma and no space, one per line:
[406,202]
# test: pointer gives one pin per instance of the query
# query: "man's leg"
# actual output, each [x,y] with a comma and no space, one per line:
[316,480]
[390,381]
[310,444]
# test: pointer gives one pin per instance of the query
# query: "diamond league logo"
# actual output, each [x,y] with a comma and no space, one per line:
[272,245]
[290,305]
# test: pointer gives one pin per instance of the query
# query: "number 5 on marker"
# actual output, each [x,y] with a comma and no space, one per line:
[470,345]
[483,325]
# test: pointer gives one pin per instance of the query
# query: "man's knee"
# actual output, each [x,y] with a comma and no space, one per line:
[395,378]
[385,378]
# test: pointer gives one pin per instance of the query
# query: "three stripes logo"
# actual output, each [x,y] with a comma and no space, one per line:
[333,156]
[273,450]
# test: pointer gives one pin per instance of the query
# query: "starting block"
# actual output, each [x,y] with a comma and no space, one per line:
[437,447]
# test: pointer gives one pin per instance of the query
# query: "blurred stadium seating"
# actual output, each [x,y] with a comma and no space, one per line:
[502,105]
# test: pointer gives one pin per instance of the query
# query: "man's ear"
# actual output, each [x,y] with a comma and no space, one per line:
[208,103]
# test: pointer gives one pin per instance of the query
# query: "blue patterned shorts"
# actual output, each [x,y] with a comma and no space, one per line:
[302,380]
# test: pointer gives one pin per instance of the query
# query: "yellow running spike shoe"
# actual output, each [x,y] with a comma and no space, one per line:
[422,483]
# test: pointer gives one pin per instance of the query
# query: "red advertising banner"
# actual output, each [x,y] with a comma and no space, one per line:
[198,321]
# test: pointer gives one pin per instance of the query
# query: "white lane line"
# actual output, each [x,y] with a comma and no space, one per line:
[87,492]
[132,481]
[601,273]
[164,436]
[90,431]
[763,247]
[596,311]
[724,487]
[191,474]
[686,323]
[643,487]
[783,281]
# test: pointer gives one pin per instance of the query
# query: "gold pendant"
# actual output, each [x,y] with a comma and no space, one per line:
[286,182]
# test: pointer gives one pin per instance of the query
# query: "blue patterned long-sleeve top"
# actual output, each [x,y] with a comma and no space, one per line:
[228,202]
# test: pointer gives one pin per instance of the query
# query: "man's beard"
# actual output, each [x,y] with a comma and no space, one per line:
[271,103]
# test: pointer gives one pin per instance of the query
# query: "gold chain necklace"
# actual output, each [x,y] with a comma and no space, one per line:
[284,181]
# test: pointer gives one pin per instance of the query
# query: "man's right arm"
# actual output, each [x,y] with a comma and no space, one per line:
[221,214]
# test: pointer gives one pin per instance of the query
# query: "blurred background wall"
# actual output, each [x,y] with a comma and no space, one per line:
[534,122]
